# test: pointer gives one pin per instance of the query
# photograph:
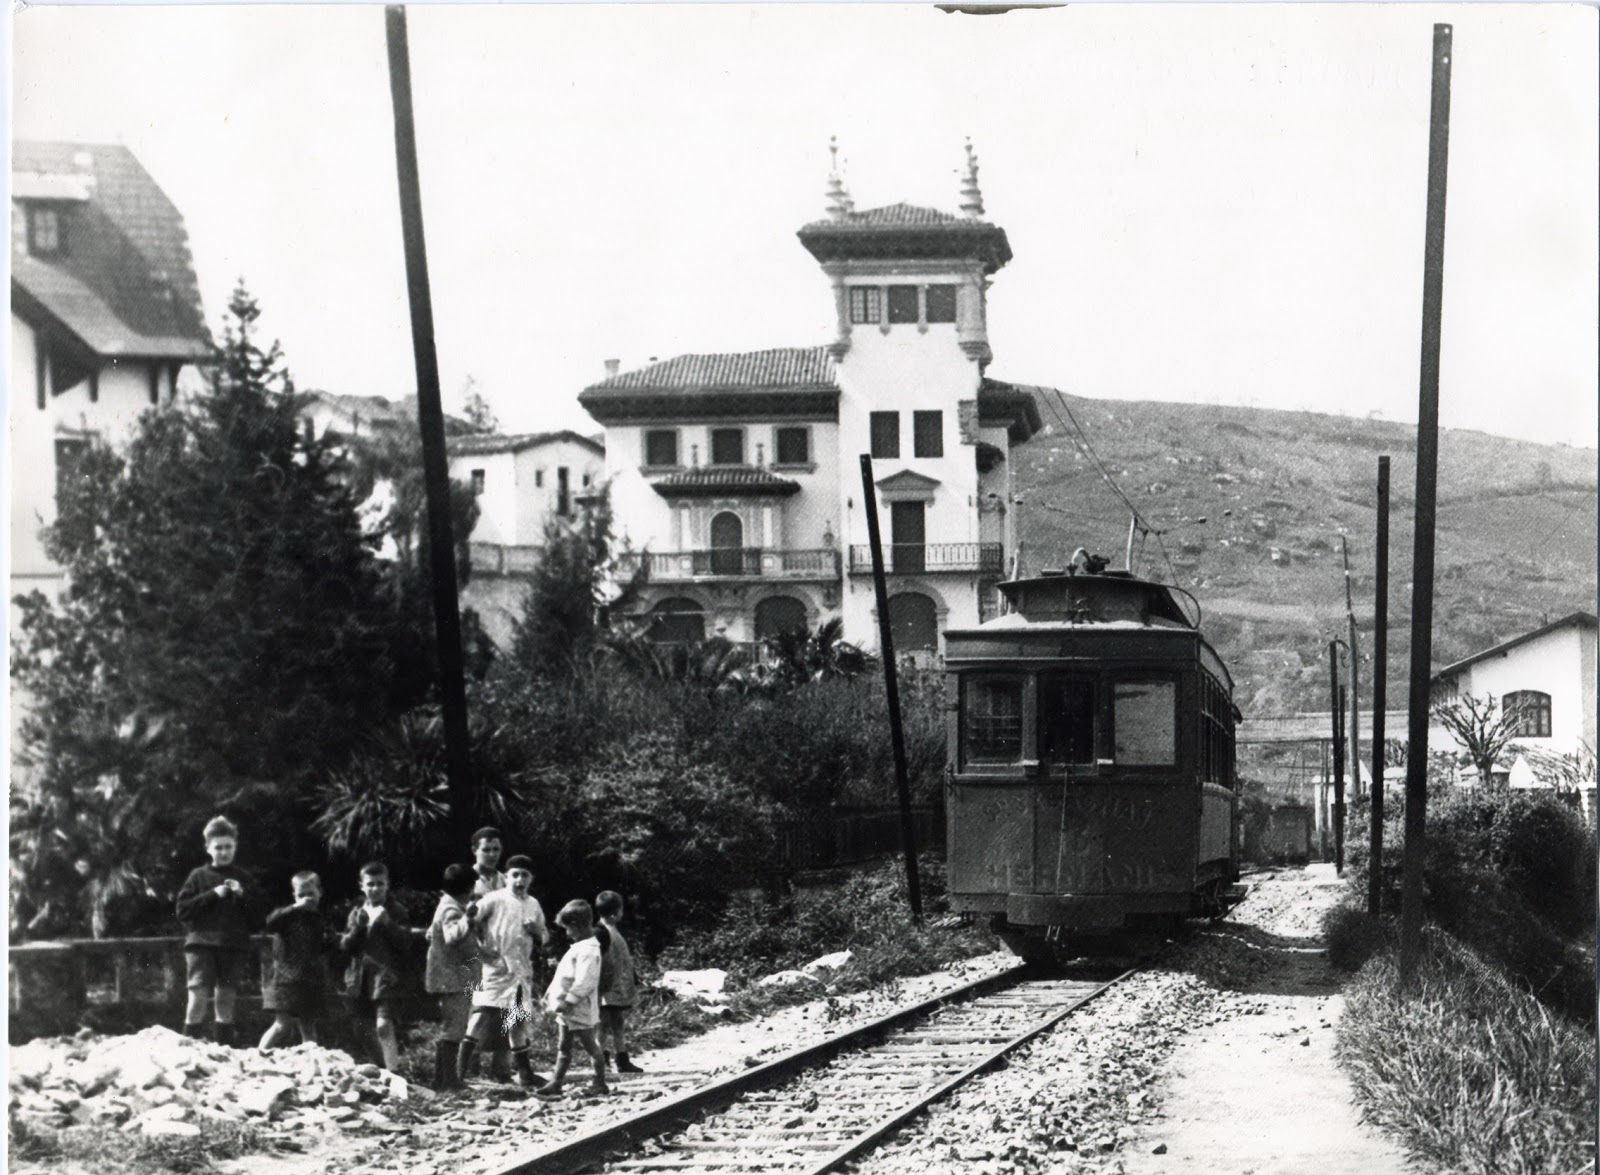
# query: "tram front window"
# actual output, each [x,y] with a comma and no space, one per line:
[1143,723]
[1066,721]
[991,720]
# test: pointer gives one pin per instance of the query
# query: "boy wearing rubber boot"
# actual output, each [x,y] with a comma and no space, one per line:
[510,927]
[452,971]
[574,998]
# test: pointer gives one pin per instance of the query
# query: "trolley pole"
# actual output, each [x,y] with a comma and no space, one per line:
[430,420]
[1380,685]
[891,685]
[1427,492]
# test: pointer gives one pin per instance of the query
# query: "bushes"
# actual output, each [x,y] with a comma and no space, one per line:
[1469,1067]
[1512,875]
[1354,936]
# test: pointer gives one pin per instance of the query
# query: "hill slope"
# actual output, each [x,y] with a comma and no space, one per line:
[1515,540]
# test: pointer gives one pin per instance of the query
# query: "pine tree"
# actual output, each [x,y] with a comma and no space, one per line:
[226,636]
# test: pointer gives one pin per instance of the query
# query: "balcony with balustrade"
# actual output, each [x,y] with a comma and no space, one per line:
[926,558]
[820,565]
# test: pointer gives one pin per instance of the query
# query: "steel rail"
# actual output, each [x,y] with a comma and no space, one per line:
[604,1142]
[870,1138]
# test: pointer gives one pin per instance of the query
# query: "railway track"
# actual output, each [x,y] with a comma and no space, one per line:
[816,1108]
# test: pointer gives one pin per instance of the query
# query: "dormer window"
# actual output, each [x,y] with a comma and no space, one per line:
[44,231]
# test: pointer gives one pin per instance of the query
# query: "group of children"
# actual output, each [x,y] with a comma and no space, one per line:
[486,945]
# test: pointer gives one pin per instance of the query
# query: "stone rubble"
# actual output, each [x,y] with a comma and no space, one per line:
[158,1082]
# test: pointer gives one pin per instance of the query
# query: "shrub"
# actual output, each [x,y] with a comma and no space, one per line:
[1353,936]
[1469,1067]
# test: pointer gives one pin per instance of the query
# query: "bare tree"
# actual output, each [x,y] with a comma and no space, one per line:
[1481,727]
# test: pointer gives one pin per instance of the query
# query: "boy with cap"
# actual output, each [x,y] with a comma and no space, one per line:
[574,998]
[510,927]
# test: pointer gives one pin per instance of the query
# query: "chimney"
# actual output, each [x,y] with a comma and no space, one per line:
[612,367]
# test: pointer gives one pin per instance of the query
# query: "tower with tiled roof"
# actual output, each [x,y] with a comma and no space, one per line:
[105,314]
[739,473]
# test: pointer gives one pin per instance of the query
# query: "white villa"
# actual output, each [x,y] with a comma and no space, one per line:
[739,474]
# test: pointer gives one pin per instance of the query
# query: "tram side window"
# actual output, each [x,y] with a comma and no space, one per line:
[991,719]
[1144,723]
[1066,721]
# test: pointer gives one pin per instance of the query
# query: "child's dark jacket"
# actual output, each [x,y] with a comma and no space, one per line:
[381,952]
[211,919]
[300,942]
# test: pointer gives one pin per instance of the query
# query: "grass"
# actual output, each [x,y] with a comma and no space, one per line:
[106,1149]
[1470,1069]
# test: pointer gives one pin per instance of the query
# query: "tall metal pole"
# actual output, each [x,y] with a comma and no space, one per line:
[1380,686]
[1354,733]
[891,684]
[430,419]
[1336,705]
[1427,491]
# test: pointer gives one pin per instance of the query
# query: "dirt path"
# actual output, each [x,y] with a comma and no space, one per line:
[1261,1094]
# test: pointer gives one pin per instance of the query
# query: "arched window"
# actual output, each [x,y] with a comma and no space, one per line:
[1527,713]
[677,620]
[727,544]
[913,622]
[780,614]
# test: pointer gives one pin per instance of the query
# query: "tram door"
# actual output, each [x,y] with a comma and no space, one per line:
[1069,833]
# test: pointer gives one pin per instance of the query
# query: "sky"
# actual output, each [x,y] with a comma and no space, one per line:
[1206,203]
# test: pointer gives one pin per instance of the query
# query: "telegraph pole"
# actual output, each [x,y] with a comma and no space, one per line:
[1337,706]
[1355,686]
[1427,496]
[891,684]
[1380,686]
[430,419]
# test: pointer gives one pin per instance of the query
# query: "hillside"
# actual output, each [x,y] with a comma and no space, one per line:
[1515,540]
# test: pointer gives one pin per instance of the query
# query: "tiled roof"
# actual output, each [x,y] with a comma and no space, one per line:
[724,479]
[482,443]
[904,232]
[898,216]
[782,368]
[125,284]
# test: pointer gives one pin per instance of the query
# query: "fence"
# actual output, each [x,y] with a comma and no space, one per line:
[914,558]
[57,986]
[849,837]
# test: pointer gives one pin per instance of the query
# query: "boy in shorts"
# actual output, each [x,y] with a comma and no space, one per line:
[452,971]
[618,983]
[297,995]
[510,927]
[377,939]
[574,998]
[216,948]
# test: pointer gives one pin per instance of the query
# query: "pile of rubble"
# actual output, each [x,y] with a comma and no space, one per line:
[158,1082]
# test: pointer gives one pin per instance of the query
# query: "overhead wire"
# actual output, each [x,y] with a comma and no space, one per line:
[1087,447]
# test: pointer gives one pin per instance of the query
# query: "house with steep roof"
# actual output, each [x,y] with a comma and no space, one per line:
[105,318]
[1545,680]
[523,482]
[737,475]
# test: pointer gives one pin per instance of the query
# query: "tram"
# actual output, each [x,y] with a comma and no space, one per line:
[1092,800]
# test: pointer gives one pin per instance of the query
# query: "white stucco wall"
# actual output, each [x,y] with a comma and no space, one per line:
[514,505]
[1552,664]
[124,396]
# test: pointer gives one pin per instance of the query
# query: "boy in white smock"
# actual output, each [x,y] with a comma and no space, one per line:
[510,926]
[574,998]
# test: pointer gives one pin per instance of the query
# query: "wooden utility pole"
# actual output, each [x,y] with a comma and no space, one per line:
[430,419]
[1427,498]
[1380,686]
[891,684]
[1337,706]
[1354,732]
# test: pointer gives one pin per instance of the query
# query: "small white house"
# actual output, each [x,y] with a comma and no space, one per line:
[522,482]
[1547,677]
